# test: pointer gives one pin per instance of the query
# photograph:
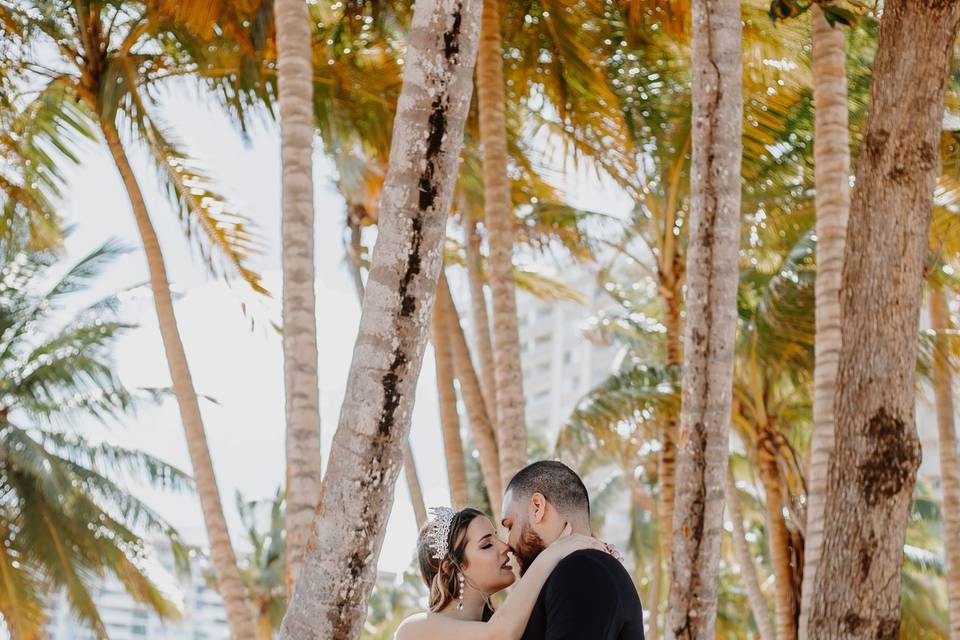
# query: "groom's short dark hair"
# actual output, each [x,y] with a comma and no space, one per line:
[558,483]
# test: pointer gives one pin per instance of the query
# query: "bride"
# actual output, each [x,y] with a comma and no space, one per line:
[463,563]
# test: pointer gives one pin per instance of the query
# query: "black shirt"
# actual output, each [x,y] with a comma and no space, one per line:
[589,596]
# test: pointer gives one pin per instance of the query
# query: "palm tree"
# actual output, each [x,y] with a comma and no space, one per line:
[831,148]
[481,426]
[711,317]
[508,373]
[111,59]
[30,179]
[295,97]
[335,581]
[355,252]
[413,485]
[449,413]
[758,603]
[479,318]
[360,183]
[947,443]
[67,516]
[867,501]
[647,64]
[264,567]
[570,81]
[923,595]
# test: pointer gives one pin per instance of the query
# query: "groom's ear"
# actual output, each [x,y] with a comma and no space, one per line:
[538,508]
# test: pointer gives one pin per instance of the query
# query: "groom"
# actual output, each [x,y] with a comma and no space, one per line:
[589,595]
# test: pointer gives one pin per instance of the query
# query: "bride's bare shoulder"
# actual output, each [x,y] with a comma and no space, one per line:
[415,627]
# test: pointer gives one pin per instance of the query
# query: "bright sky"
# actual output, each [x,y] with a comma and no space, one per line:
[240,368]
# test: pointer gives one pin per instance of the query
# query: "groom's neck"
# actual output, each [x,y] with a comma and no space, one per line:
[577,525]
[583,528]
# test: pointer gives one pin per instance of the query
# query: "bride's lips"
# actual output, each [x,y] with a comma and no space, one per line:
[506,565]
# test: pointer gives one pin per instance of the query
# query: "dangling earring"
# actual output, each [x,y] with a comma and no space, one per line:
[460,605]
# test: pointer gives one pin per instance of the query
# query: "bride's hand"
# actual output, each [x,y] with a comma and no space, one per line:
[568,542]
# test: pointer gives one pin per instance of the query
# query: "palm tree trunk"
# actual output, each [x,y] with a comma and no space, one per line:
[354,251]
[654,603]
[301,384]
[449,415]
[831,153]
[479,318]
[667,457]
[229,584]
[711,318]
[330,597]
[873,467]
[511,425]
[748,572]
[778,542]
[949,460]
[481,427]
[413,485]
[264,627]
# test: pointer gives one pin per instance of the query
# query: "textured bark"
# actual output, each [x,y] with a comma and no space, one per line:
[831,154]
[413,485]
[511,425]
[481,427]
[301,384]
[671,284]
[409,463]
[479,319]
[411,476]
[449,415]
[224,560]
[354,251]
[712,273]
[873,467]
[949,459]
[748,571]
[778,542]
[330,597]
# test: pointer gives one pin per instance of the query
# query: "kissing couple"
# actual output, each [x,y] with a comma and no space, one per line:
[572,586]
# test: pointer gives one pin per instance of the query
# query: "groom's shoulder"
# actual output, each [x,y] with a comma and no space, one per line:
[596,566]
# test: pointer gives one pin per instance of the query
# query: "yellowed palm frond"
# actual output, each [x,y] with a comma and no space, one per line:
[545,287]
[20,592]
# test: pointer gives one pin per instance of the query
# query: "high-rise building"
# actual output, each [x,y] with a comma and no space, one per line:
[125,619]
[560,363]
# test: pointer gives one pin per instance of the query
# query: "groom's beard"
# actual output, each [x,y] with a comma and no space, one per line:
[528,548]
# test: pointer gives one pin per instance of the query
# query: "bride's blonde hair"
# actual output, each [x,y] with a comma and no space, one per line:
[441,576]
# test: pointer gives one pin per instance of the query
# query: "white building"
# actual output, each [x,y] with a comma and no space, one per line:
[203,615]
[560,364]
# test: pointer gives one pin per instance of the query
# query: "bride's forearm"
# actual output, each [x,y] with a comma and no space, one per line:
[509,621]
